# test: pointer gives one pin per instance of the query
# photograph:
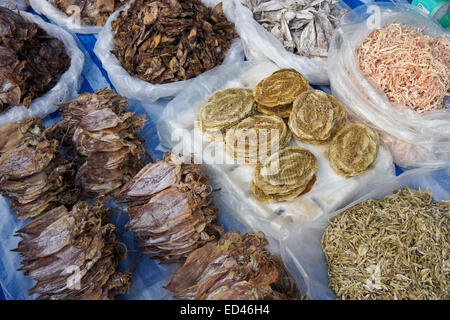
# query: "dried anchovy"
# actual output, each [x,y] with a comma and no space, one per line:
[104,140]
[163,41]
[31,61]
[237,267]
[33,174]
[393,248]
[73,255]
[90,12]
[170,208]
[303,27]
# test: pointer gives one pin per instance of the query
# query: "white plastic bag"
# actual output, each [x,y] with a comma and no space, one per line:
[60,18]
[301,248]
[135,88]
[330,191]
[260,44]
[67,86]
[415,140]
[13,4]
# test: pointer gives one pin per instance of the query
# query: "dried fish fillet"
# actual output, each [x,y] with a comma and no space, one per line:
[170,208]
[316,117]
[237,267]
[303,27]
[164,41]
[31,61]
[393,248]
[353,150]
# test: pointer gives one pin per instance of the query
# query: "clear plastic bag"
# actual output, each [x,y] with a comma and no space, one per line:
[415,140]
[330,191]
[67,86]
[60,18]
[301,248]
[135,88]
[12,4]
[260,44]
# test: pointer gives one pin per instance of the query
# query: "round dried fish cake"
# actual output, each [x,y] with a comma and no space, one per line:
[280,111]
[212,134]
[280,88]
[316,117]
[226,108]
[353,150]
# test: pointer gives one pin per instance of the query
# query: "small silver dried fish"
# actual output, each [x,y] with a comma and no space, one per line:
[303,27]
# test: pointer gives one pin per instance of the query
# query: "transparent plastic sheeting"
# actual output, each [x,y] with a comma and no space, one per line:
[301,249]
[260,44]
[12,4]
[67,86]
[70,23]
[138,89]
[330,191]
[415,140]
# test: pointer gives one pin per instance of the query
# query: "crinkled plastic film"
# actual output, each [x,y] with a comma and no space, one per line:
[301,247]
[67,86]
[260,44]
[60,18]
[330,191]
[135,88]
[12,4]
[415,140]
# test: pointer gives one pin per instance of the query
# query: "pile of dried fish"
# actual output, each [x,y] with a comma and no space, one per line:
[393,248]
[33,174]
[316,117]
[73,255]
[303,27]
[31,62]
[353,150]
[90,12]
[170,208]
[105,136]
[163,41]
[285,175]
[234,268]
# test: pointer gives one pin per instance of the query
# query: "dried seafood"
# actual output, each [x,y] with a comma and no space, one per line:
[105,136]
[31,61]
[90,12]
[170,208]
[316,117]
[223,110]
[33,174]
[73,255]
[303,27]
[163,41]
[256,137]
[234,268]
[411,68]
[285,175]
[353,150]
[393,248]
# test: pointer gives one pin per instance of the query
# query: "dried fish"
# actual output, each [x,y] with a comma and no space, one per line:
[170,208]
[31,61]
[303,27]
[72,255]
[237,267]
[393,248]
[164,41]
[90,12]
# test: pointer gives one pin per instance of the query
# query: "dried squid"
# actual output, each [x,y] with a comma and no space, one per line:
[170,208]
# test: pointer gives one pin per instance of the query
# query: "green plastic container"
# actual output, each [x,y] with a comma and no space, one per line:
[439,10]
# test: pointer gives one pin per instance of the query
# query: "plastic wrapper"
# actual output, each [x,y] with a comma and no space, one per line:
[60,18]
[415,140]
[302,250]
[12,4]
[67,86]
[260,44]
[330,191]
[135,88]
